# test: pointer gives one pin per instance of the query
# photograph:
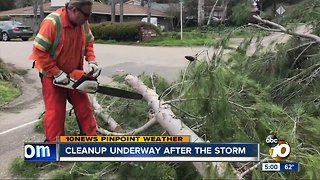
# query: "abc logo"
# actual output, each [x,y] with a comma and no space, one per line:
[279,148]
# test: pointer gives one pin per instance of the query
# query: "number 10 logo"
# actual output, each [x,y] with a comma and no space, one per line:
[279,148]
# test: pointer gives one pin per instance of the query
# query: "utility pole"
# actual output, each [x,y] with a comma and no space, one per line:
[121,11]
[181,19]
[113,11]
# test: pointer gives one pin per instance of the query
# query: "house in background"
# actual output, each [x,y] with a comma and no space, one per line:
[100,13]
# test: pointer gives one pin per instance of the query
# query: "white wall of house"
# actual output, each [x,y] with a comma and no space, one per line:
[58,3]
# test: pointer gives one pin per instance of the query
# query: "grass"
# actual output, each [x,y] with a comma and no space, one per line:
[20,168]
[193,36]
[8,91]
[168,39]
[188,38]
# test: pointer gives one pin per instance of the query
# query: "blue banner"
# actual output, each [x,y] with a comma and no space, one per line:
[289,166]
[40,152]
[158,152]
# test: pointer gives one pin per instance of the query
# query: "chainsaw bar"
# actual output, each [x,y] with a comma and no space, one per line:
[89,84]
[118,92]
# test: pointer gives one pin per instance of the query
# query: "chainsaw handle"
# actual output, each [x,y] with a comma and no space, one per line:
[84,78]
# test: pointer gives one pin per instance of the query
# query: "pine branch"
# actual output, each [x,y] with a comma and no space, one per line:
[139,130]
[251,169]
[264,28]
[280,28]
[114,126]
[236,104]
[298,57]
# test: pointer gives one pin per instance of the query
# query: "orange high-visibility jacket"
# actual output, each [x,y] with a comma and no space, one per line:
[61,46]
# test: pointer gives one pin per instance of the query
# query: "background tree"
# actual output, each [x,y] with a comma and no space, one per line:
[240,13]
[37,10]
[200,12]
[173,12]
[212,11]
[113,11]
[6,5]
[225,4]
[23,3]
[149,11]
[121,11]
[41,10]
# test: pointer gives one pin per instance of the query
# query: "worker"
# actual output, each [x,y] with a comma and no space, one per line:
[64,41]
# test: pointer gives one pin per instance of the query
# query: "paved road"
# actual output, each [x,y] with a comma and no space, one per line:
[16,127]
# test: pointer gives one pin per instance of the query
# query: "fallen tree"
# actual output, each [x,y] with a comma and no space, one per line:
[162,114]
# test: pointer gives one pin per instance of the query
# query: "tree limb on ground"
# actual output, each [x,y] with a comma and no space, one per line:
[114,126]
[98,110]
[166,118]
[241,176]
[280,28]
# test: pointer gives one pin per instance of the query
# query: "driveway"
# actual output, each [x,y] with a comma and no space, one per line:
[16,125]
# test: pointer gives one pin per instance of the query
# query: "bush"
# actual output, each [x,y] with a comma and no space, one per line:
[127,31]
[241,14]
[5,73]
[4,18]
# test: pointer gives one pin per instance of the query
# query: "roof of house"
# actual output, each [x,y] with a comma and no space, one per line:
[97,8]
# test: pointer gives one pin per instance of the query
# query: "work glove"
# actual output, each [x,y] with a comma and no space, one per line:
[76,74]
[61,78]
[93,66]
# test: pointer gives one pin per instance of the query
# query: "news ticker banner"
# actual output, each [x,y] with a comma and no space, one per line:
[280,167]
[124,139]
[138,148]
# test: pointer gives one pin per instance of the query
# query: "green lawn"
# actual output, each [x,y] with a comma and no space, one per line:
[193,36]
[8,91]
[188,38]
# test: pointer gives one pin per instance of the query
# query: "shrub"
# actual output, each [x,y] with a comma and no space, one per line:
[4,18]
[241,14]
[5,73]
[127,31]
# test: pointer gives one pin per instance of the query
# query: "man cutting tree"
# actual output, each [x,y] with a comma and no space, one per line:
[64,41]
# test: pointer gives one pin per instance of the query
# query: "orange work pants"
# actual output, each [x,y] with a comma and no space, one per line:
[55,105]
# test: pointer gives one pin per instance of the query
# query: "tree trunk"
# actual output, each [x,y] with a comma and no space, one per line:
[274,8]
[172,125]
[149,11]
[212,11]
[121,11]
[41,11]
[113,11]
[225,8]
[261,5]
[35,16]
[200,12]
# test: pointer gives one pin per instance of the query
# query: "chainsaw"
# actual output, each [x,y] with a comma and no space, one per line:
[88,83]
